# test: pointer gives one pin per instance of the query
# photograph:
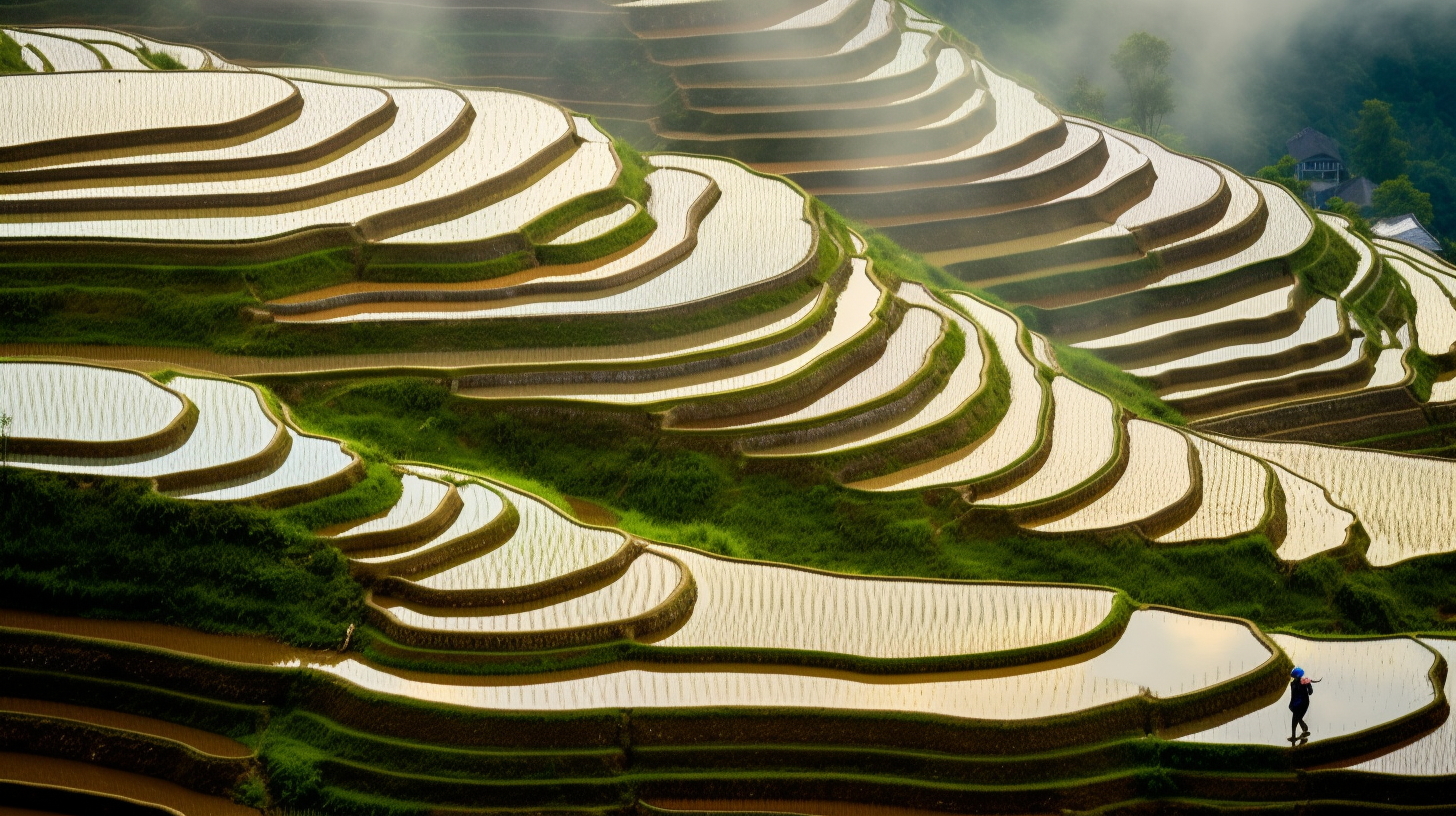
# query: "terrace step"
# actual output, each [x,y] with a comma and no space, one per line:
[1160,491]
[426,508]
[1386,691]
[542,556]
[1323,334]
[1089,453]
[653,595]
[334,119]
[477,520]
[679,202]
[822,29]
[1362,482]
[229,447]
[1238,498]
[900,379]
[1015,447]
[1078,160]
[855,335]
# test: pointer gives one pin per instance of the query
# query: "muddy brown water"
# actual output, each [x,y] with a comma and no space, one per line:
[204,741]
[592,513]
[234,648]
[81,776]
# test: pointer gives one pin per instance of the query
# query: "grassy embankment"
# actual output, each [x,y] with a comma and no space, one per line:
[11,61]
[119,303]
[700,499]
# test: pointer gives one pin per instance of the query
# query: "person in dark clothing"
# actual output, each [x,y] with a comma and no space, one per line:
[1300,688]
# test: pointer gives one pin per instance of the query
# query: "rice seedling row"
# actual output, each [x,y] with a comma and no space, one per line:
[1084,437]
[83,403]
[1403,501]
[1365,683]
[1235,496]
[1166,653]
[119,58]
[1313,523]
[763,606]
[1013,439]
[1258,307]
[1351,358]
[65,55]
[1159,474]
[647,584]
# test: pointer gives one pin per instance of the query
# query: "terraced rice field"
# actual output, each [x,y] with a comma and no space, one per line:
[547,545]
[1166,653]
[1403,501]
[1433,754]
[1364,684]
[738,323]
[647,584]
[1159,474]
[1235,496]
[232,425]
[758,606]
[1011,440]
[193,100]
[1084,440]
[82,403]
[480,506]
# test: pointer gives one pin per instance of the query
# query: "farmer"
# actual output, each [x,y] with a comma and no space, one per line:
[1299,690]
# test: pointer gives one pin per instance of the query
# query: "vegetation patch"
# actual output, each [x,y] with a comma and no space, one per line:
[11,61]
[113,548]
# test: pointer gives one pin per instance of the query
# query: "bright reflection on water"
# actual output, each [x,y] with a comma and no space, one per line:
[1167,653]
[1434,755]
[1365,684]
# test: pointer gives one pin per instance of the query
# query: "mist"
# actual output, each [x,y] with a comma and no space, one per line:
[1229,54]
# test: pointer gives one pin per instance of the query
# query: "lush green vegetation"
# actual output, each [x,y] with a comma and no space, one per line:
[159,60]
[11,62]
[115,549]
[666,490]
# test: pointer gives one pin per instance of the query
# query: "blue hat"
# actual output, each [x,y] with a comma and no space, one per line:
[1297,673]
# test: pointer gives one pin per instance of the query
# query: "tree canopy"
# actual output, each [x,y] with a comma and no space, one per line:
[1380,153]
[1086,99]
[1284,174]
[1142,61]
[1399,196]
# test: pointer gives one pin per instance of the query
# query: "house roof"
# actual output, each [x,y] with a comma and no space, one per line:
[1406,228]
[1309,143]
[1359,191]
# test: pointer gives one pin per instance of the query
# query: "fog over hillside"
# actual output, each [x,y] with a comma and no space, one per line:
[1245,69]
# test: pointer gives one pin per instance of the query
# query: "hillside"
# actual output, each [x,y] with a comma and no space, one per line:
[880,437]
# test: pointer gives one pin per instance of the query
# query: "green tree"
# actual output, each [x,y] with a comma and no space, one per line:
[1440,182]
[1350,210]
[1142,60]
[1399,196]
[1087,99]
[1380,153]
[1283,174]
